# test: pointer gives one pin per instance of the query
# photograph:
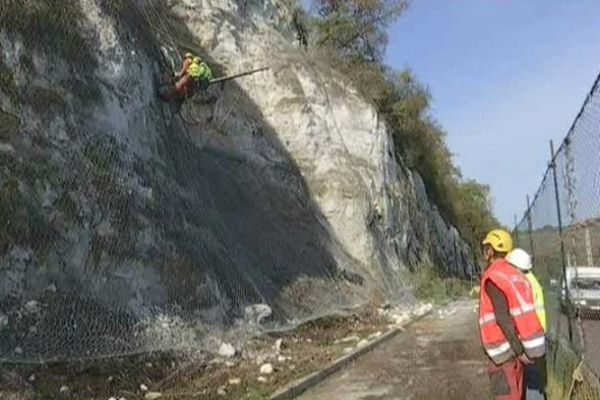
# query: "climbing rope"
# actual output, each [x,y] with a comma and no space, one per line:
[224,119]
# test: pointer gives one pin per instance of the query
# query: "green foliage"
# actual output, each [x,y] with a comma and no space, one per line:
[473,211]
[48,25]
[356,29]
[430,285]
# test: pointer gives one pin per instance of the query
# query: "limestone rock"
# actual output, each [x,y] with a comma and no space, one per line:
[266,369]
[226,350]
[283,189]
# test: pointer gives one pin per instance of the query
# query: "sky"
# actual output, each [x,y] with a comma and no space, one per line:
[506,76]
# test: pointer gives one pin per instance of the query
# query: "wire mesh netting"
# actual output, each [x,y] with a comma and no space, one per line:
[561,229]
[124,233]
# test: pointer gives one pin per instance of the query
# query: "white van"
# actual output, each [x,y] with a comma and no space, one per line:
[584,290]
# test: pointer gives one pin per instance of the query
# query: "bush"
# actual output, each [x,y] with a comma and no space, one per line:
[430,285]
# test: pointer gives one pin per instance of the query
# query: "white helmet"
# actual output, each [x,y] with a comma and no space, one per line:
[520,259]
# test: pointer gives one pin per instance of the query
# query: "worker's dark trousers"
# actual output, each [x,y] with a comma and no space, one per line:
[535,380]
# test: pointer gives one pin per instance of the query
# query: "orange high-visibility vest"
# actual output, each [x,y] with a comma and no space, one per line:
[519,295]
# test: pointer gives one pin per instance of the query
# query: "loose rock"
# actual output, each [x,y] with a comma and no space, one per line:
[3,321]
[257,313]
[235,381]
[153,395]
[261,379]
[348,339]
[143,388]
[226,350]
[362,343]
[266,369]
[32,306]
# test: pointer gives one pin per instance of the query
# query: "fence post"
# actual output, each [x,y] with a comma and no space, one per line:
[588,247]
[530,230]
[560,234]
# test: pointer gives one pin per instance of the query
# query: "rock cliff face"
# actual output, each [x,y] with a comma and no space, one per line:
[271,199]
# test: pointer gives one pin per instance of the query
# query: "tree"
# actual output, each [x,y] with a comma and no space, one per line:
[356,29]
[475,216]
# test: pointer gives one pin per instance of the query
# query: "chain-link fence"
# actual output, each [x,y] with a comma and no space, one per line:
[561,229]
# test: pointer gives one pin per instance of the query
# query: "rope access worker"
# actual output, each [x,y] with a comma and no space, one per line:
[194,74]
[535,373]
[510,330]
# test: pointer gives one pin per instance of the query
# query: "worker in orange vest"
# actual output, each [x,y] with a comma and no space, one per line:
[194,74]
[510,330]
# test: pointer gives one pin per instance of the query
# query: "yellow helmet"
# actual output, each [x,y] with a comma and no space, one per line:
[197,60]
[499,240]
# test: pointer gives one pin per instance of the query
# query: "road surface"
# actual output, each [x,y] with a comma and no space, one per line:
[439,357]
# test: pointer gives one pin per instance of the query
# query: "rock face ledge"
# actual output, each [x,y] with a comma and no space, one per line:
[124,227]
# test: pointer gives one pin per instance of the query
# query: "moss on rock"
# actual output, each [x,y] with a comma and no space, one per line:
[22,221]
[9,125]
[7,82]
[44,100]
[48,25]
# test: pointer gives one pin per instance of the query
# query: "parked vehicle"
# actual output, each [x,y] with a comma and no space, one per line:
[583,284]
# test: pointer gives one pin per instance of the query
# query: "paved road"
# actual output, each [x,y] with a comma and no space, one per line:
[437,358]
[591,332]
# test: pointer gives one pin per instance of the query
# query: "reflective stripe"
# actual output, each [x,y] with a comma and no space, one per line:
[530,344]
[496,351]
[486,318]
[523,309]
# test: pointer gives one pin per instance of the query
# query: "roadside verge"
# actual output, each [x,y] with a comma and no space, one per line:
[301,385]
